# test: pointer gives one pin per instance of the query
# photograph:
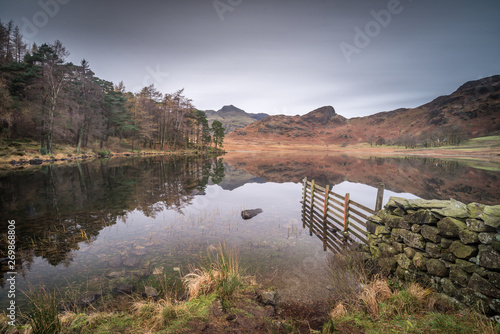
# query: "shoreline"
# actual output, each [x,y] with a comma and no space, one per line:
[26,161]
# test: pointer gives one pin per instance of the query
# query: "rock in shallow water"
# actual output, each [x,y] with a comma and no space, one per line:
[131,262]
[248,214]
[88,298]
[124,288]
[115,262]
[267,298]
[150,292]
[116,274]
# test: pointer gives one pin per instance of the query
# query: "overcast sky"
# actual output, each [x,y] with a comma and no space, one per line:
[276,56]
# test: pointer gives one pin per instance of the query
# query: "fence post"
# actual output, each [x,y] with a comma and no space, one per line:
[380,197]
[304,204]
[305,188]
[346,213]
[311,207]
[325,210]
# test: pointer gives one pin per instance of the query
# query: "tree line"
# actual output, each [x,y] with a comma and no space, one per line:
[45,98]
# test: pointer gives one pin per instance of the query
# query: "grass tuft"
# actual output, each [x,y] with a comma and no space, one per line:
[220,273]
[43,314]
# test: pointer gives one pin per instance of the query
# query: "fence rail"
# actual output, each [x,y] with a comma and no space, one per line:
[337,220]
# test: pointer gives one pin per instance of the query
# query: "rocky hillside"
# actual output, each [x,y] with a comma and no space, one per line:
[471,110]
[233,118]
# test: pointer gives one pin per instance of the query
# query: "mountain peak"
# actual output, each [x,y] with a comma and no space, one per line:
[230,108]
[232,117]
[322,115]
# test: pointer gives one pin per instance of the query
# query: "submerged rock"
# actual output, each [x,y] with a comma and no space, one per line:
[115,262]
[88,298]
[267,298]
[131,262]
[150,292]
[248,214]
[142,274]
[116,274]
[139,252]
[124,288]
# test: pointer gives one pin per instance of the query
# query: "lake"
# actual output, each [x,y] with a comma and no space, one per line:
[92,225]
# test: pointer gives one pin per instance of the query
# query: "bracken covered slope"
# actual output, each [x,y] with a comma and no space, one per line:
[472,109]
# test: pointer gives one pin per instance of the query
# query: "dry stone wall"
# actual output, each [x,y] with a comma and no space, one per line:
[447,245]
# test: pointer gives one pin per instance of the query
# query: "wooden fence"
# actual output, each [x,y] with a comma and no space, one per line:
[337,220]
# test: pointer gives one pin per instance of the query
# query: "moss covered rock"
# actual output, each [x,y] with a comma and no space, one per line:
[491,216]
[436,267]
[475,300]
[430,233]
[477,225]
[463,251]
[404,261]
[387,250]
[392,221]
[467,266]
[410,252]
[411,239]
[468,237]
[420,261]
[474,210]
[397,202]
[446,243]
[427,204]
[421,217]
[459,276]
[433,249]
[381,230]
[488,258]
[486,238]
[453,209]
[450,227]
[479,284]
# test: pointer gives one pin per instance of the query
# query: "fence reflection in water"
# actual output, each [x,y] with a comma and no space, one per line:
[336,220]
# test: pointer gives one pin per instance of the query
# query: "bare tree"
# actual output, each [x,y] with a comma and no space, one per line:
[53,76]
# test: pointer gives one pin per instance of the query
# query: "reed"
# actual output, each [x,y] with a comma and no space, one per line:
[43,311]
[220,273]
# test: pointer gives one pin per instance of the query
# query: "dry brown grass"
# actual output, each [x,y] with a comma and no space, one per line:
[221,273]
[374,293]
[155,314]
[338,312]
[200,282]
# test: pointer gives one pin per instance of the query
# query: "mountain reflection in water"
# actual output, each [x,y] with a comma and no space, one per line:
[82,220]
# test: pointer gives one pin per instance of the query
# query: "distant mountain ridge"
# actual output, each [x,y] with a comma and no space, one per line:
[233,118]
[474,109]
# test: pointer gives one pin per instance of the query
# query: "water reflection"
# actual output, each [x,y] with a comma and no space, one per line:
[429,178]
[59,209]
[122,218]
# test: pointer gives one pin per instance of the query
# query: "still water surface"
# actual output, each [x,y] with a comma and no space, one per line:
[90,225]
